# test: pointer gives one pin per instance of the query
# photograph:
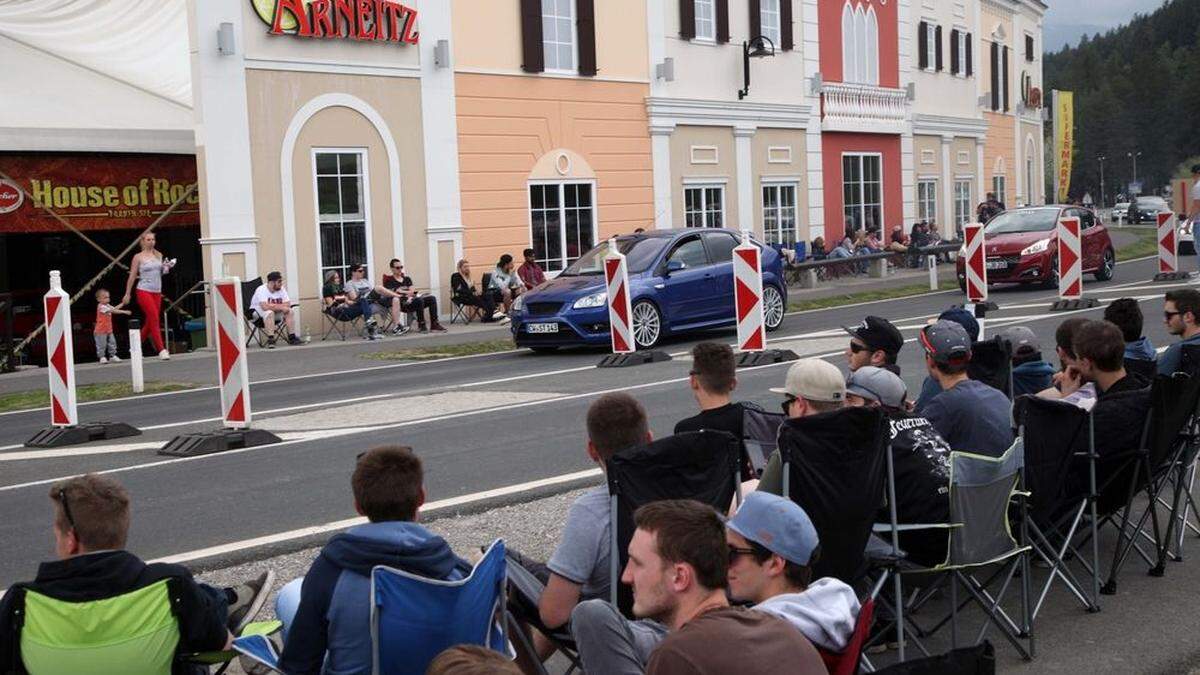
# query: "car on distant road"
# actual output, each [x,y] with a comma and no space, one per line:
[1146,209]
[679,280]
[1021,246]
[1120,211]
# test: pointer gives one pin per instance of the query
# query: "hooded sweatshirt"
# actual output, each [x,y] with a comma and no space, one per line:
[1140,349]
[1031,377]
[334,616]
[825,612]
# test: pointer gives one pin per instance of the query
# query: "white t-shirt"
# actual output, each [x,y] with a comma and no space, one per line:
[263,294]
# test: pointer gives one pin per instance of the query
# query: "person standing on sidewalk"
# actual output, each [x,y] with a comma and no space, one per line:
[147,269]
[1193,204]
[102,331]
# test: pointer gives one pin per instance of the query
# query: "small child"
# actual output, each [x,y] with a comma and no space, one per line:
[106,344]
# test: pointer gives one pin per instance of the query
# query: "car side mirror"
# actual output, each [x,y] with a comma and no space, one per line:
[675,266]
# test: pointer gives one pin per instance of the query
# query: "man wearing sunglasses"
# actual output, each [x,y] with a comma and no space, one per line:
[409,300]
[874,342]
[1181,313]
[90,527]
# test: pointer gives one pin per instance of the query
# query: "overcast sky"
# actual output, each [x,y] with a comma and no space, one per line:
[1067,20]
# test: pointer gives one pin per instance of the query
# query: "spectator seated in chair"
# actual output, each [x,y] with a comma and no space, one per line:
[1181,313]
[679,561]
[1126,314]
[1030,373]
[964,318]
[972,416]
[466,292]
[90,528]
[408,300]
[812,387]
[1067,384]
[338,306]
[273,307]
[506,285]
[712,379]
[359,287]
[530,272]
[874,342]
[327,613]
[818,249]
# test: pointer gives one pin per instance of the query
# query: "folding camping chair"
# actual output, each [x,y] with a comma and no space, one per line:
[991,363]
[760,436]
[700,465]
[255,329]
[339,326]
[526,587]
[846,662]
[458,311]
[1143,368]
[413,618]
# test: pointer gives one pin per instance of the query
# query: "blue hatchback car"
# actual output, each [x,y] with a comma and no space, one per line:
[679,280]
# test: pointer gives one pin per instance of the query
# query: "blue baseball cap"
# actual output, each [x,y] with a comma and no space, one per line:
[778,525]
[963,318]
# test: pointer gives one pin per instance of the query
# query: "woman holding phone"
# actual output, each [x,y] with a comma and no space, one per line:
[147,269]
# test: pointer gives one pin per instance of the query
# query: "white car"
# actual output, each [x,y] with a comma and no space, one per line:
[1120,211]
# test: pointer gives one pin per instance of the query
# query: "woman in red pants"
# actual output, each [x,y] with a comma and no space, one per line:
[147,269]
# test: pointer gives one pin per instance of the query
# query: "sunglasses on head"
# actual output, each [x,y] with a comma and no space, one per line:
[66,506]
[787,403]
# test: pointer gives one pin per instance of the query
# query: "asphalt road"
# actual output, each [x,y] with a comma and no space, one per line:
[480,424]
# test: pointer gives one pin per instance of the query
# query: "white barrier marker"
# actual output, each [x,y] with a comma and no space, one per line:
[747,295]
[616,274]
[1070,263]
[60,352]
[233,376]
[135,356]
[976,265]
[1168,244]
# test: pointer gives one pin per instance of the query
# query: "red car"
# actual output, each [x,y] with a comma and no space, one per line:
[1022,246]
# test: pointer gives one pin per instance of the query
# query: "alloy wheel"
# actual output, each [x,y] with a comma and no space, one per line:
[647,324]
[772,308]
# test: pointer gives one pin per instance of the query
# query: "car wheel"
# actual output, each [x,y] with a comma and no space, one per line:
[1107,265]
[773,308]
[647,324]
[543,349]
[1051,280]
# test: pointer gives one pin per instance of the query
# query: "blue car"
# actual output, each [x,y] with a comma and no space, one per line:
[679,280]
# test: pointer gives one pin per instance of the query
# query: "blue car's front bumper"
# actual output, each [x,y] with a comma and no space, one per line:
[575,326]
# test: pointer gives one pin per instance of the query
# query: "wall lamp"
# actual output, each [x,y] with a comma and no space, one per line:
[756,48]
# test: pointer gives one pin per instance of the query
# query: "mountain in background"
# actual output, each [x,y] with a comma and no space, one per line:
[1137,89]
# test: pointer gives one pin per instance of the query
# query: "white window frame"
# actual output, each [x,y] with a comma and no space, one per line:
[862,185]
[961,48]
[963,201]
[704,211]
[574,40]
[1000,187]
[365,202]
[860,45]
[710,23]
[770,17]
[927,190]
[562,221]
[930,46]
[777,184]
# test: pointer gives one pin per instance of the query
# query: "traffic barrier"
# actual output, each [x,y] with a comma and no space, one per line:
[233,381]
[1070,268]
[60,355]
[976,265]
[620,312]
[748,308]
[1168,249]
[135,356]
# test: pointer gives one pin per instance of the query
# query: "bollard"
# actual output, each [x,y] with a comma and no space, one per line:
[1168,250]
[748,308]
[931,263]
[620,316]
[135,355]
[1070,268]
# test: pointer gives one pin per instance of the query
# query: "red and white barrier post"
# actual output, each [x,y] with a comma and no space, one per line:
[975,269]
[620,316]
[748,307]
[1070,267]
[1168,249]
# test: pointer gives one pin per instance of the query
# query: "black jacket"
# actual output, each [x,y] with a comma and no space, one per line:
[95,576]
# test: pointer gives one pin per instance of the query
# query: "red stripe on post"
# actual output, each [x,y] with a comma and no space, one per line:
[226,292]
[746,300]
[57,414]
[237,411]
[228,353]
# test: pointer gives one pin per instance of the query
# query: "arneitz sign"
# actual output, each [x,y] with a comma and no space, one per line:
[361,20]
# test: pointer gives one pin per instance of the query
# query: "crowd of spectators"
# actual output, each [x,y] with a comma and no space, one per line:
[711,594]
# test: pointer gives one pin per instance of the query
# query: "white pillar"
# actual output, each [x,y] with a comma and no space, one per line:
[744,153]
[982,188]
[660,148]
[814,169]
[947,196]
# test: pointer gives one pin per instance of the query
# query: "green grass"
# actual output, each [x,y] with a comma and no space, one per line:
[1146,244]
[441,351]
[40,398]
[869,296]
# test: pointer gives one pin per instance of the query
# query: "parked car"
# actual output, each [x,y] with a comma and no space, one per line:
[1021,246]
[1146,209]
[679,280]
[1120,212]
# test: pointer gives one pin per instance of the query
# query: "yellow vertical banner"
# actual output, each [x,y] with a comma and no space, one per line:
[1064,141]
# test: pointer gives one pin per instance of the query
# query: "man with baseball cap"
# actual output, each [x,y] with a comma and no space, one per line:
[812,387]
[964,318]
[970,415]
[1030,373]
[874,342]
[772,547]
[920,458]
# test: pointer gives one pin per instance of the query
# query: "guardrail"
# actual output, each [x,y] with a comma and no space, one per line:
[810,273]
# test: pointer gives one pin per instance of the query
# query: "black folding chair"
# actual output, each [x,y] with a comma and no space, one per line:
[342,327]
[458,312]
[524,593]
[700,465]
[1143,368]
[991,363]
[760,436]
[254,323]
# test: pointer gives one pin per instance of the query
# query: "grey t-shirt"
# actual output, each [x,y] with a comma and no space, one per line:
[361,287]
[972,417]
[583,552]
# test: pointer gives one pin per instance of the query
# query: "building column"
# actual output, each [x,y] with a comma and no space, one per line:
[814,168]
[947,197]
[744,154]
[660,148]
[982,188]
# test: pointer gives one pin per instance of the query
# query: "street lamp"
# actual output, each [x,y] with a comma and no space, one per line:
[1101,159]
[756,48]
[1134,156]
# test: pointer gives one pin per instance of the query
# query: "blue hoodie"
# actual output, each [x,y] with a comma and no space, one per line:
[1140,349]
[334,616]
[1031,377]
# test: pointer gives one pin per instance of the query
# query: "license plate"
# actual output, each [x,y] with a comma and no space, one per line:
[541,328]
[997,265]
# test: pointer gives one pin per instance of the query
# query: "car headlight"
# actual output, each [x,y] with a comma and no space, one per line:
[518,304]
[594,300]
[1036,247]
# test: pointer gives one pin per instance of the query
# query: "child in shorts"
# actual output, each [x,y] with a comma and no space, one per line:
[106,344]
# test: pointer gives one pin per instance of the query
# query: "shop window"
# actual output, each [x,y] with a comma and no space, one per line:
[563,221]
[927,200]
[962,203]
[862,191]
[779,213]
[768,11]
[704,206]
[1000,188]
[341,214]
[706,19]
[558,35]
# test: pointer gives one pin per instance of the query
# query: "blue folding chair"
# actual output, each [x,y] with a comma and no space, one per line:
[413,619]
[801,249]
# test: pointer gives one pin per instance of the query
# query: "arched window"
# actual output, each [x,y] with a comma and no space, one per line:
[872,48]
[849,55]
[860,44]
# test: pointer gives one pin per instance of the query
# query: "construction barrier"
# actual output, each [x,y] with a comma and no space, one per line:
[1070,267]
[1168,249]
[976,265]
[747,296]
[620,316]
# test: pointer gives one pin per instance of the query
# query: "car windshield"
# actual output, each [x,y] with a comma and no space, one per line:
[1024,220]
[639,253]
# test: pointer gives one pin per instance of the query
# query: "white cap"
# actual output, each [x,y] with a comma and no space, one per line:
[814,380]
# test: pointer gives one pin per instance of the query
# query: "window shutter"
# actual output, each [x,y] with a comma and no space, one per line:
[995,53]
[922,45]
[937,48]
[1028,48]
[954,64]
[970,55]
[755,18]
[722,8]
[585,29]
[531,37]
[1005,75]
[785,26]
[687,19]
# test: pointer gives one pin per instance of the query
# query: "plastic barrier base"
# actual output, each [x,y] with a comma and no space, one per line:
[57,437]
[765,358]
[191,445]
[1172,276]
[633,359]
[1072,305]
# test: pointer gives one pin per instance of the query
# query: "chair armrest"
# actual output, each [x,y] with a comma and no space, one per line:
[913,527]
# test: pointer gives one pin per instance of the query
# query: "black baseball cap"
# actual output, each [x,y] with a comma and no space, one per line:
[877,332]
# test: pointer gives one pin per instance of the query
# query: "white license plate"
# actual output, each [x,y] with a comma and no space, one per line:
[541,328]
[997,265]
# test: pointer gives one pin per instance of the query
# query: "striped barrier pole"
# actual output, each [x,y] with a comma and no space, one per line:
[976,265]
[621,328]
[233,376]
[1070,268]
[747,296]
[60,353]
[1168,249]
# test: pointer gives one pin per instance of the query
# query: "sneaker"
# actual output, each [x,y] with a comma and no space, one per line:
[422,329]
[399,329]
[103,360]
[505,321]
[437,327]
[250,598]
[271,342]
[499,315]
[293,340]
[164,355]
[114,358]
